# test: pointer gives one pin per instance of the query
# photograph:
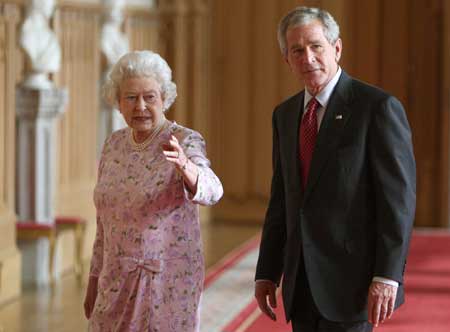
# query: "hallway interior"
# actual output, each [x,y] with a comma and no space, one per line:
[60,309]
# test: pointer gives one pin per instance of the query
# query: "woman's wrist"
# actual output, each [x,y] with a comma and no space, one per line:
[184,166]
[189,172]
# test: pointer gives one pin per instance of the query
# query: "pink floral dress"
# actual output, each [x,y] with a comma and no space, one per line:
[148,251]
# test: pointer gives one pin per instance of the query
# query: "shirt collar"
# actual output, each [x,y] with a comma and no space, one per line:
[324,96]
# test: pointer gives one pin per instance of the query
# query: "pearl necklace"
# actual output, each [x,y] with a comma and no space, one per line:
[143,145]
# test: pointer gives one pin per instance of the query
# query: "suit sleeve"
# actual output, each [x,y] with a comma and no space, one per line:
[394,174]
[270,260]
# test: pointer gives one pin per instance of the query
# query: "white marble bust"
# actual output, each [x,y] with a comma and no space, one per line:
[40,43]
[114,43]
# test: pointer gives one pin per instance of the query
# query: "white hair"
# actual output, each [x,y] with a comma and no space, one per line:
[304,15]
[140,64]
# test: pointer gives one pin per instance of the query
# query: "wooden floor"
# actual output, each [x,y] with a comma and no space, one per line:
[61,309]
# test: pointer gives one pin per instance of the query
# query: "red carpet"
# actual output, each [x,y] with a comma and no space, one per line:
[230,260]
[427,284]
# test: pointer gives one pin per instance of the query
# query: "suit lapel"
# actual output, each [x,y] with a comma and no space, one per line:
[291,129]
[336,116]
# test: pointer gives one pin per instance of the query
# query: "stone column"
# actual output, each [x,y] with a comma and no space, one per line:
[36,112]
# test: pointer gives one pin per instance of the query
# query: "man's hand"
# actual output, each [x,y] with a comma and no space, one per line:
[381,302]
[264,289]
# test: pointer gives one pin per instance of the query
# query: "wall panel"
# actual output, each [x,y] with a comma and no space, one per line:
[232,97]
[10,259]
[399,46]
[264,56]
[394,48]
[143,31]
[445,120]
[425,105]
[78,126]
[78,30]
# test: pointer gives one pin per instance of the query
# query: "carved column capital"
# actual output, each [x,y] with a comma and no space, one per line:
[10,11]
[180,7]
[43,103]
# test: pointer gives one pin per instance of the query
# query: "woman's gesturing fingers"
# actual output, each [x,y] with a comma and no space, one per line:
[174,152]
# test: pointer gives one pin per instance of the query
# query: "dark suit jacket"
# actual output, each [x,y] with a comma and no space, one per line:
[354,219]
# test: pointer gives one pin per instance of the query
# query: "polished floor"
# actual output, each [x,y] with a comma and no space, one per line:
[60,309]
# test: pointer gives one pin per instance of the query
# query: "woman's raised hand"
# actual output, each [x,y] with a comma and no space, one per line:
[175,154]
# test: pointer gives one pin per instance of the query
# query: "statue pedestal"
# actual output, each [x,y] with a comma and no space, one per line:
[36,112]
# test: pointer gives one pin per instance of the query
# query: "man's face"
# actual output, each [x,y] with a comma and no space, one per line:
[311,57]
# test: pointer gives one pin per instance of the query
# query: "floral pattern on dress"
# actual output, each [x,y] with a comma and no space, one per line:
[148,253]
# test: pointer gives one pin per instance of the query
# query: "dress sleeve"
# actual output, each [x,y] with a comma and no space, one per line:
[209,188]
[97,255]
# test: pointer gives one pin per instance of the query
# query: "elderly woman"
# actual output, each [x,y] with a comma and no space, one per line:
[147,267]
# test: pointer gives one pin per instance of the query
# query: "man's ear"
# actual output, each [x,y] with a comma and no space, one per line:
[286,59]
[338,49]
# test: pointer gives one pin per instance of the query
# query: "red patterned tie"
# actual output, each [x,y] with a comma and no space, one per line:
[308,134]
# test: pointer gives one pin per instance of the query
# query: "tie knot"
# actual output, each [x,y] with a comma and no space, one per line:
[313,105]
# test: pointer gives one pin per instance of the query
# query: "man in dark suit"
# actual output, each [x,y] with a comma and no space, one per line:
[342,202]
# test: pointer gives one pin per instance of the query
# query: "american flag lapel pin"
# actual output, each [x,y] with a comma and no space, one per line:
[339,117]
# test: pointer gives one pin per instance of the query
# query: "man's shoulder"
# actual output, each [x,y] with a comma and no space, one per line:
[366,95]
[291,102]
[367,90]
